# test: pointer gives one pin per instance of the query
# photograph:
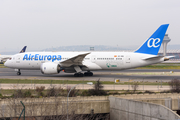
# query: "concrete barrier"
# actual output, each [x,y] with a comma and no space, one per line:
[169,100]
[123,109]
[135,107]
[161,101]
[54,106]
[141,96]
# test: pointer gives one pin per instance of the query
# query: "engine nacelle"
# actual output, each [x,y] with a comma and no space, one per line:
[50,68]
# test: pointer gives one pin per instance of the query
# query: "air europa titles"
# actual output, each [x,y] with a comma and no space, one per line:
[42,57]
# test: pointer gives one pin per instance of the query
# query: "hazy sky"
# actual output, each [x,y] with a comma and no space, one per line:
[43,24]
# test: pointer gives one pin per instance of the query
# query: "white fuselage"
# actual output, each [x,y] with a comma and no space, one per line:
[93,61]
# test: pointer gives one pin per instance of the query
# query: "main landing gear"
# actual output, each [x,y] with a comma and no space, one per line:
[18,72]
[78,74]
[88,73]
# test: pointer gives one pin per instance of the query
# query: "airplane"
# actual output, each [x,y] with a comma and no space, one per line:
[3,58]
[77,62]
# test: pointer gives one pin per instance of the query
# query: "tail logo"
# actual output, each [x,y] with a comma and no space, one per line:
[154,42]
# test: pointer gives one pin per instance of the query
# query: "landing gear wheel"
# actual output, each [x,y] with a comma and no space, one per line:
[75,74]
[18,73]
[81,75]
[88,73]
[78,75]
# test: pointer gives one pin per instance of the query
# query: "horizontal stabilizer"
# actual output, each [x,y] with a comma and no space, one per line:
[168,57]
[152,57]
[158,57]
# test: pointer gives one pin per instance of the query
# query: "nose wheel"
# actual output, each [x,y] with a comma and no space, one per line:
[19,72]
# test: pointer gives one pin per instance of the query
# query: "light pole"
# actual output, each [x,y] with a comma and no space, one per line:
[89,83]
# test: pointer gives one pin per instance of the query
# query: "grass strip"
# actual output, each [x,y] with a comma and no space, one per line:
[2,66]
[25,81]
[162,66]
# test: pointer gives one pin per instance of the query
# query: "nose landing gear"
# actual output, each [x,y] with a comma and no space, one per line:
[18,72]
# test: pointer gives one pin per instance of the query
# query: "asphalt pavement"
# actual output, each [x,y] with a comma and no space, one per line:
[150,75]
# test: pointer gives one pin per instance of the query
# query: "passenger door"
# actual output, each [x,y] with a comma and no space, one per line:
[18,58]
[128,61]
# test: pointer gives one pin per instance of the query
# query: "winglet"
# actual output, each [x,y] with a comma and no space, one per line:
[23,50]
[153,44]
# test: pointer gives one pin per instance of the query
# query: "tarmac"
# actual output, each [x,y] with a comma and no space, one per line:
[150,75]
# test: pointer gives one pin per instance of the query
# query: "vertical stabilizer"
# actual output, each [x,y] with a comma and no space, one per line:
[153,44]
[23,50]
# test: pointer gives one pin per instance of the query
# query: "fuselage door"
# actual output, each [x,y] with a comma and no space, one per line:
[18,58]
[128,62]
[128,59]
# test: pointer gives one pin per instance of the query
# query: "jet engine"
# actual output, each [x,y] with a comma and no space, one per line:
[50,68]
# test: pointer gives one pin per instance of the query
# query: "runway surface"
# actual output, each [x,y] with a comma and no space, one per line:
[150,75]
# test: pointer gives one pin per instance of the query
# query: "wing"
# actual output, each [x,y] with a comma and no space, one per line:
[4,58]
[75,61]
